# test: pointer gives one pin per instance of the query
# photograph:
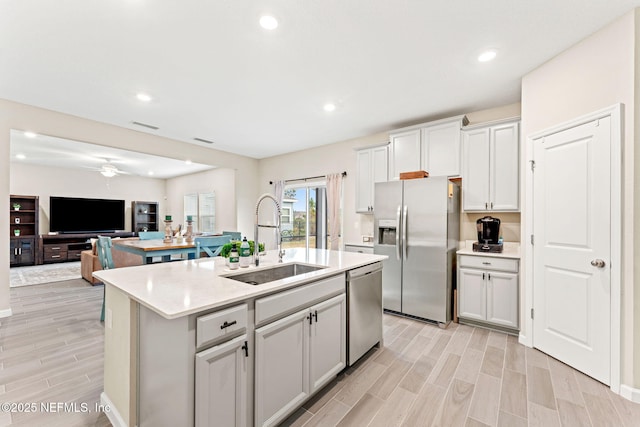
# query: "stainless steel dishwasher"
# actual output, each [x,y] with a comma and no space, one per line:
[364,320]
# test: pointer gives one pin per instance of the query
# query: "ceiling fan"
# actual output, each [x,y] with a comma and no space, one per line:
[110,170]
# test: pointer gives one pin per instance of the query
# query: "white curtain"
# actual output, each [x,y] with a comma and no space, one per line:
[278,193]
[334,198]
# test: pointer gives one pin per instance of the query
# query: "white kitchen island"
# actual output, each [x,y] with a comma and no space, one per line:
[185,345]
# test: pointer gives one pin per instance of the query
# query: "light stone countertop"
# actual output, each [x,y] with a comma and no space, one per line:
[510,250]
[361,244]
[180,288]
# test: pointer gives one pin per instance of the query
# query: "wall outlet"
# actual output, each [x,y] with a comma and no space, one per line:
[367,239]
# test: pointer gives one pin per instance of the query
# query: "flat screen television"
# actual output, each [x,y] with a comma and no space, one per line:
[81,215]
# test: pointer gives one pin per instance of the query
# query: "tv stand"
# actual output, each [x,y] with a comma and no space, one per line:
[67,247]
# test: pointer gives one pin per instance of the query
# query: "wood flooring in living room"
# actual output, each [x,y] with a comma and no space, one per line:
[51,350]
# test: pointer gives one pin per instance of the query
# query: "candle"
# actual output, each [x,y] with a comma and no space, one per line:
[167,218]
[189,218]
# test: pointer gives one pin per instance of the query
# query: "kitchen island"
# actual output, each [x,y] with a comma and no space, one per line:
[186,344]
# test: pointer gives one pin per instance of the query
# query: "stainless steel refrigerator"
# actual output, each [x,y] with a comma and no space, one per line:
[417,225]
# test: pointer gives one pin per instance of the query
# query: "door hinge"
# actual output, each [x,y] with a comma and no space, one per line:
[532,239]
[532,313]
[533,164]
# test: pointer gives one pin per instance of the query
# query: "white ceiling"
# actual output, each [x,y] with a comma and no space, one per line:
[214,73]
[51,151]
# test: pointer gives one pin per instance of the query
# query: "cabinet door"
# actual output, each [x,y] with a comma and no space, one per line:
[14,257]
[364,186]
[27,253]
[327,343]
[441,149]
[379,169]
[221,385]
[404,153]
[505,167]
[475,170]
[281,368]
[502,299]
[472,302]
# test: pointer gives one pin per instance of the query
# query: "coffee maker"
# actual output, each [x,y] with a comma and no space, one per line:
[488,235]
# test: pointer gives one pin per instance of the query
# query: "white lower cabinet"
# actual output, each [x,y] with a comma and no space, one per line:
[296,356]
[221,384]
[488,290]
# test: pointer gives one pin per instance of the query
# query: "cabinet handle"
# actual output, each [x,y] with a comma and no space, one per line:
[55,256]
[486,263]
[489,276]
[483,276]
[491,205]
[19,251]
[227,324]
[310,319]
[315,315]
[57,248]
[486,205]
[245,347]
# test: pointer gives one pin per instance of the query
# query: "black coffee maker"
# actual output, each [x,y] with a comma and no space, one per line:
[488,235]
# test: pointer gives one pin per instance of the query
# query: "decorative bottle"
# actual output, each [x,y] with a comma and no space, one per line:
[234,258]
[245,253]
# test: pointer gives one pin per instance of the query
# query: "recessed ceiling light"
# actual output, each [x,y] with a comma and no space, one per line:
[150,173]
[188,162]
[29,134]
[144,97]
[487,55]
[268,22]
[20,156]
[329,107]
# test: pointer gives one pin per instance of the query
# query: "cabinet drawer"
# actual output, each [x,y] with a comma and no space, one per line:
[489,263]
[55,248]
[275,306]
[221,325]
[59,255]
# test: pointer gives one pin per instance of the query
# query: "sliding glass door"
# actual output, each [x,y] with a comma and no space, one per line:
[304,216]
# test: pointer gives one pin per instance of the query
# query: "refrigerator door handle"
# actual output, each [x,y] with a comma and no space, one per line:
[398,250]
[404,231]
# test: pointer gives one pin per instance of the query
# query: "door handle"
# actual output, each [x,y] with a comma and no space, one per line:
[598,263]
[398,228]
[404,231]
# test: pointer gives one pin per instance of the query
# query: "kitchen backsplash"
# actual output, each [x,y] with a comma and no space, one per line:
[509,225]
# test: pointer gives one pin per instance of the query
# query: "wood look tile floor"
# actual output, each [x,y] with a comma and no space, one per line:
[51,350]
[461,376]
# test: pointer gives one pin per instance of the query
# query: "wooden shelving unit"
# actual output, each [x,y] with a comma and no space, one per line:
[144,216]
[23,229]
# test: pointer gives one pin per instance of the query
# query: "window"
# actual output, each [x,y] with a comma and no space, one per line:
[202,209]
[304,216]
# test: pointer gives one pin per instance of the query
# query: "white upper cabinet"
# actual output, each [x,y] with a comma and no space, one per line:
[433,147]
[404,153]
[372,166]
[491,168]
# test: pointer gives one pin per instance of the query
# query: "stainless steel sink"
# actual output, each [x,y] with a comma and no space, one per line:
[266,275]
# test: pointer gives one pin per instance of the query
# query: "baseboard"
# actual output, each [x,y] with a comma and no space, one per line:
[524,340]
[5,313]
[630,393]
[112,414]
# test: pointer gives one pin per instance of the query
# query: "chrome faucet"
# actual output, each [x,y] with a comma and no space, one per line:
[256,245]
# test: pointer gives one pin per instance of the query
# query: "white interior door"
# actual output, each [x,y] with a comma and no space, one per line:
[572,248]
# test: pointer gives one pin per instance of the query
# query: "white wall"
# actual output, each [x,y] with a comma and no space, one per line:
[596,73]
[42,181]
[220,181]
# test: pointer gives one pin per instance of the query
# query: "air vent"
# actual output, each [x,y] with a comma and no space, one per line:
[203,140]
[144,125]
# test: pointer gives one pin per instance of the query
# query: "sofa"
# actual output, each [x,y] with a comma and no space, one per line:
[89,261]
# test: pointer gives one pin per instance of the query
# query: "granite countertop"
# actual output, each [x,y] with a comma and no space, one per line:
[510,250]
[181,288]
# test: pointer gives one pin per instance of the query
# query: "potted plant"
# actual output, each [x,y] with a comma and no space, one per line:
[16,232]
[16,206]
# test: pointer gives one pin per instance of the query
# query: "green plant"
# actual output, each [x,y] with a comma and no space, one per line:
[16,206]
[226,248]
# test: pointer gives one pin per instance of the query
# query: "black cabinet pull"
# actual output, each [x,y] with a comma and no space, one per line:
[245,347]
[227,324]
[310,317]
[315,315]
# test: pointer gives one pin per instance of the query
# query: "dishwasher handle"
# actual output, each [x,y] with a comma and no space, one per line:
[363,271]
